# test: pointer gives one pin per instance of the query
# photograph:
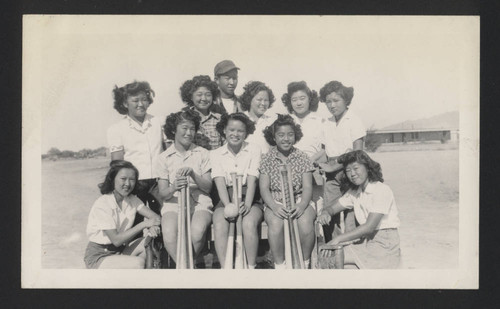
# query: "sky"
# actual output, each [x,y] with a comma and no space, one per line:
[401,68]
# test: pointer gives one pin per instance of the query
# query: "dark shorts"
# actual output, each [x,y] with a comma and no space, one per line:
[95,253]
[256,198]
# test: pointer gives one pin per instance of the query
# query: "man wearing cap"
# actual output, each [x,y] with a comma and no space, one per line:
[226,77]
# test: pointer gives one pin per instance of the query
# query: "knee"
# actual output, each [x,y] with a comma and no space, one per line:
[249,225]
[274,226]
[197,232]
[138,262]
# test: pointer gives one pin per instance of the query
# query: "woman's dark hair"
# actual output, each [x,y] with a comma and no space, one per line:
[174,119]
[361,157]
[334,86]
[109,181]
[296,86]
[250,90]
[191,85]
[222,124]
[282,120]
[121,94]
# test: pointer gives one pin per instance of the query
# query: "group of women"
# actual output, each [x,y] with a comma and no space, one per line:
[153,161]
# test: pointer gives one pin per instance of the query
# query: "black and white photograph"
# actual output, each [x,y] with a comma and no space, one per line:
[183,151]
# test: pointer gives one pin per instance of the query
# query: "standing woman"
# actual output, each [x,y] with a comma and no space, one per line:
[198,94]
[283,134]
[110,231]
[181,163]
[138,137]
[343,132]
[302,104]
[243,158]
[256,100]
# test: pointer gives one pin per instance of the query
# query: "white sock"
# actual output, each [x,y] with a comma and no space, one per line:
[251,266]
[280,266]
[307,263]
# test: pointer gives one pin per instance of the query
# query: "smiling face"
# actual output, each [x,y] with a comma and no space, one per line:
[235,132]
[137,105]
[357,174]
[202,99]
[125,181]
[259,103]
[184,133]
[336,104]
[300,103]
[285,138]
[227,83]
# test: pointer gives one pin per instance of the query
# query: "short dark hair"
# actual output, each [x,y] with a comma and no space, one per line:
[296,86]
[374,169]
[108,185]
[222,124]
[282,120]
[191,85]
[334,86]
[250,90]
[174,119]
[120,94]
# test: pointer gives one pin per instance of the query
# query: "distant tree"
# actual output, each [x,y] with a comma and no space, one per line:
[100,152]
[372,142]
[54,152]
[67,154]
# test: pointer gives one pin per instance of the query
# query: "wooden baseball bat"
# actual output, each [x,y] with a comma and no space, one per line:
[239,256]
[188,220]
[148,243]
[290,229]
[228,263]
[294,221]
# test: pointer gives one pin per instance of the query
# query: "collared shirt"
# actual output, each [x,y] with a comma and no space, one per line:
[339,136]
[107,215]
[378,198]
[311,125]
[169,161]
[257,137]
[140,143]
[246,162]
[299,164]
[233,107]
[207,136]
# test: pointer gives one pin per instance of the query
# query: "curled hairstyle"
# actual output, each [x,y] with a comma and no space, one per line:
[121,94]
[334,86]
[174,119]
[222,124]
[191,85]
[373,168]
[296,86]
[282,120]
[109,181]
[250,90]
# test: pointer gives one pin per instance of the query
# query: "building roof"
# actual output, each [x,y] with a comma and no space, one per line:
[443,122]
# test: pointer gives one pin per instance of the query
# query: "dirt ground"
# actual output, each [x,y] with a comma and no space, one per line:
[425,185]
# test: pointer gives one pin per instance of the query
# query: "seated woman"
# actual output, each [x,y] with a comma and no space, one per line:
[180,162]
[256,100]
[198,94]
[244,159]
[109,227]
[282,135]
[375,210]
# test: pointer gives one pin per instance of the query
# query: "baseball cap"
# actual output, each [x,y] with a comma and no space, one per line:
[224,66]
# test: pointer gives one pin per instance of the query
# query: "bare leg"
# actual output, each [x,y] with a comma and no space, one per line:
[221,230]
[306,231]
[250,226]
[169,231]
[120,261]
[275,236]
[201,220]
